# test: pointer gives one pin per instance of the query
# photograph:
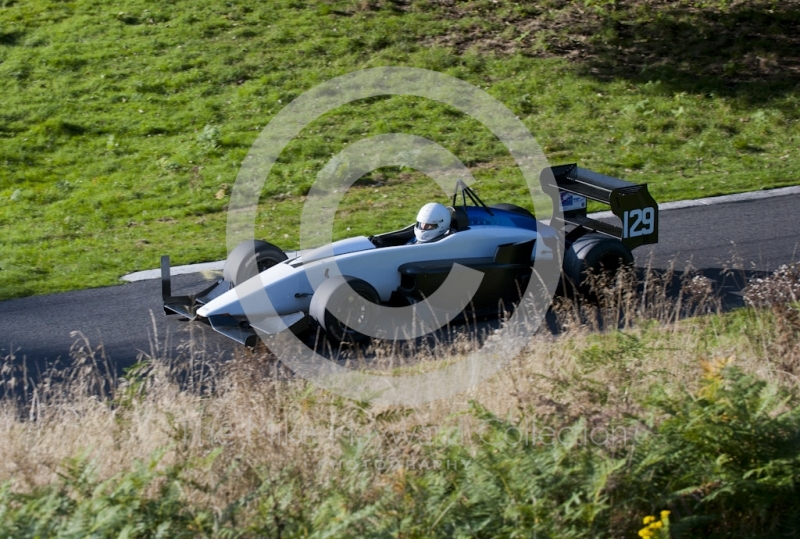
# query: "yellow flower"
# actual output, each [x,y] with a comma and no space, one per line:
[657,525]
[648,519]
[664,514]
[645,533]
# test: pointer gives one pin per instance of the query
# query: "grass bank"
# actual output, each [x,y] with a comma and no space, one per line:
[680,429]
[122,127]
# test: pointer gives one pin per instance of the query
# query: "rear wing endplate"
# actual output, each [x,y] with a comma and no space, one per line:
[632,203]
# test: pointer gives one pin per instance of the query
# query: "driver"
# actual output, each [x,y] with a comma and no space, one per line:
[433,222]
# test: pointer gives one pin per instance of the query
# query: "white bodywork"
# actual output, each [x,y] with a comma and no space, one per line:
[289,284]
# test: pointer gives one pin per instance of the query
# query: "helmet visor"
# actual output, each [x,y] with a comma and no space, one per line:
[426,226]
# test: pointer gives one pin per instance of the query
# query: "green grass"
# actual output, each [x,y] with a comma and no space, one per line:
[122,127]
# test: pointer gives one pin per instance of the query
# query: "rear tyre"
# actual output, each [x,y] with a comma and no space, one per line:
[345,308]
[594,253]
[250,258]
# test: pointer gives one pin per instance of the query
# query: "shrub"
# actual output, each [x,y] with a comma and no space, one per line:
[147,501]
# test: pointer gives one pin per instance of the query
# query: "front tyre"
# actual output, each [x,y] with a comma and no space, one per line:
[345,308]
[250,258]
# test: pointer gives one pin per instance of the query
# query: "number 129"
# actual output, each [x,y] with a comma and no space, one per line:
[638,222]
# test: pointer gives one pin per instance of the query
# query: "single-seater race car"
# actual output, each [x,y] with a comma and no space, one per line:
[390,270]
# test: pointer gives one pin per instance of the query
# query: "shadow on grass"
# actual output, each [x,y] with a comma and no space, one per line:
[750,50]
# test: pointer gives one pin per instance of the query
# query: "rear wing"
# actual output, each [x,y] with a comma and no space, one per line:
[632,203]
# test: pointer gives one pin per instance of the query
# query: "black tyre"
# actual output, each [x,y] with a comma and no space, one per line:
[250,258]
[513,208]
[344,305]
[594,253]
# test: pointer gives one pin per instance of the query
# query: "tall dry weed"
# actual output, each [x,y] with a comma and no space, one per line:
[779,293]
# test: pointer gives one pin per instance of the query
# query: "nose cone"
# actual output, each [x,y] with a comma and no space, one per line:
[270,293]
[248,299]
[227,303]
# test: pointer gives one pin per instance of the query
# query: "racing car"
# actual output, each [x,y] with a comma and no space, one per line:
[264,291]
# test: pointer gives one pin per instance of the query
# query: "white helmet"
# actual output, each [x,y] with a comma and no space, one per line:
[433,220]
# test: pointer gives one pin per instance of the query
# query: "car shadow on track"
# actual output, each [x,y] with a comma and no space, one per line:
[183,344]
[660,294]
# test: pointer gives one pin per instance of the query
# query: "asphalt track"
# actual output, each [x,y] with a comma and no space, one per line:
[755,236]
